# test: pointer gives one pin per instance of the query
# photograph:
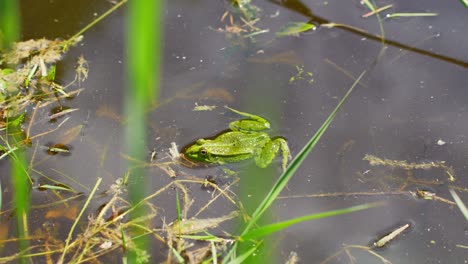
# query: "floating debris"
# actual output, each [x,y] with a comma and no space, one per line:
[58,148]
[427,195]
[193,226]
[302,75]
[389,237]
[82,70]
[440,142]
[174,152]
[423,194]
[62,112]
[293,258]
[203,107]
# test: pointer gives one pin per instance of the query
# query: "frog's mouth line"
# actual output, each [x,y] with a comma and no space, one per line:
[192,164]
[186,161]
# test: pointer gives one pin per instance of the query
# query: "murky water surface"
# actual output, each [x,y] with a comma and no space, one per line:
[410,106]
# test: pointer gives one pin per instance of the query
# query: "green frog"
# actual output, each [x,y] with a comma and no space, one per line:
[243,141]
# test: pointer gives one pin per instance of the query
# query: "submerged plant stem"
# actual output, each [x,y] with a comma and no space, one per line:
[94,22]
[75,223]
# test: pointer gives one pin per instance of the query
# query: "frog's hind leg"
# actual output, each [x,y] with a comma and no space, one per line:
[254,123]
[285,151]
[269,151]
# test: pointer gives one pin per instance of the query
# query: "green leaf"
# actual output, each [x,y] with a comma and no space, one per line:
[7,71]
[15,122]
[272,228]
[465,3]
[294,28]
[179,214]
[30,75]
[208,237]
[51,73]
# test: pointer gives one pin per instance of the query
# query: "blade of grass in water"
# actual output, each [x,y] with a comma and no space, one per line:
[9,23]
[297,161]
[459,203]
[179,215]
[376,11]
[393,15]
[144,33]
[9,33]
[465,3]
[293,166]
[241,258]
[75,223]
[21,197]
[272,228]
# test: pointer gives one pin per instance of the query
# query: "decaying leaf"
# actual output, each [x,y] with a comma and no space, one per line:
[68,136]
[69,213]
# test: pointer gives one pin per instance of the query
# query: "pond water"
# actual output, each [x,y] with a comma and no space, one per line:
[410,106]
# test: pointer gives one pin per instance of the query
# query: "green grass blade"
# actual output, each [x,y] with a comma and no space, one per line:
[240,259]
[459,203]
[297,161]
[144,46]
[57,188]
[1,195]
[368,4]
[179,258]
[292,168]
[465,3]
[179,214]
[75,223]
[272,228]
[294,28]
[9,22]
[213,253]
[393,15]
[207,237]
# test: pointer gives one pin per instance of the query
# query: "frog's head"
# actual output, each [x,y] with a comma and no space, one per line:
[199,153]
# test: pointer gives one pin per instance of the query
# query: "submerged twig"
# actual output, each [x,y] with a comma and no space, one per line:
[403,164]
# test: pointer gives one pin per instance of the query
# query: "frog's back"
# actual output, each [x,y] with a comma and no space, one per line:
[236,143]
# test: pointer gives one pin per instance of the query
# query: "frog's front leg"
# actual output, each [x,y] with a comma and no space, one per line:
[254,123]
[268,152]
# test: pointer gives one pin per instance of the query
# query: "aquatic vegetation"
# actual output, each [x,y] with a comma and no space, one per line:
[118,222]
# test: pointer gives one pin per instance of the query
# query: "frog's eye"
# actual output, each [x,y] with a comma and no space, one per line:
[203,152]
